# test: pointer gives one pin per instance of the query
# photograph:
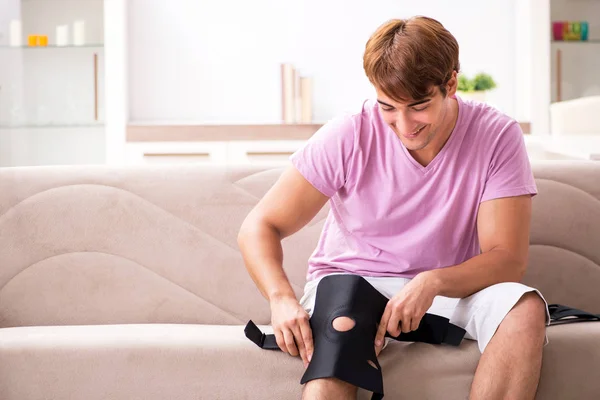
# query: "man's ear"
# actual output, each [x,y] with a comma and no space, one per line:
[452,84]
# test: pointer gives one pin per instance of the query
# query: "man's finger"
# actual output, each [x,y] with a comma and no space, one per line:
[382,327]
[300,344]
[406,323]
[289,342]
[280,341]
[414,325]
[393,326]
[307,337]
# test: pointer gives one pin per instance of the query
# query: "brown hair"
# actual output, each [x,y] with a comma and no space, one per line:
[406,58]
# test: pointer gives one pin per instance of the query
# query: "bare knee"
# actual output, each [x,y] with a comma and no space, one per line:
[528,315]
[328,388]
[343,324]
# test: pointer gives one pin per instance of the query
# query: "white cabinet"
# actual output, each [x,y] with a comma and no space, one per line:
[51,146]
[268,152]
[262,152]
[52,95]
[176,152]
[47,81]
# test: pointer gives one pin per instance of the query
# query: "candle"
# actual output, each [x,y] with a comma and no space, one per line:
[32,40]
[79,33]
[62,35]
[15,33]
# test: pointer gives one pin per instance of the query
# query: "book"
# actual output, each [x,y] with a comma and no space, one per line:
[288,107]
[306,89]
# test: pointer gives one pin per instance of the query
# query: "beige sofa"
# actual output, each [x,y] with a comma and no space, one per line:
[127,283]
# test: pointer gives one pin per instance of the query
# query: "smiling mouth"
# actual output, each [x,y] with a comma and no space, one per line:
[418,130]
[415,133]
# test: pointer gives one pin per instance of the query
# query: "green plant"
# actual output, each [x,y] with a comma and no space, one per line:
[483,81]
[465,84]
[480,82]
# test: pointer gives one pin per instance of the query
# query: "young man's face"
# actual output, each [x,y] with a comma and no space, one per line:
[417,123]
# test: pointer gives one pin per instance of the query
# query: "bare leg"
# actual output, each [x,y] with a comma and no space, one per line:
[511,362]
[328,389]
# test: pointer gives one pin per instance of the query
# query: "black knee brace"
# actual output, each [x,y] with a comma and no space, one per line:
[350,355]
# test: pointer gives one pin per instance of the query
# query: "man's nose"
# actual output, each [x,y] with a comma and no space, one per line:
[404,125]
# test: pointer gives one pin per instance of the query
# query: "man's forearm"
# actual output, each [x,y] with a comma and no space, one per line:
[263,256]
[477,273]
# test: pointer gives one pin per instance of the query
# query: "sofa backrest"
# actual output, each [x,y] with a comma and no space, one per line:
[157,244]
[564,253]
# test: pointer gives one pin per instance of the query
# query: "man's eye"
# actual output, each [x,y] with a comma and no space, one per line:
[420,109]
[387,109]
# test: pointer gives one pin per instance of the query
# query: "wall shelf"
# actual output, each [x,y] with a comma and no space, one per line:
[52,46]
[50,126]
[592,41]
[216,133]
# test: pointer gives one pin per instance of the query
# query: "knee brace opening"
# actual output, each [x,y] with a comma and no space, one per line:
[372,364]
[343,324]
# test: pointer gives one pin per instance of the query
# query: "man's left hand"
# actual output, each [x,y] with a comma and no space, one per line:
[404,311]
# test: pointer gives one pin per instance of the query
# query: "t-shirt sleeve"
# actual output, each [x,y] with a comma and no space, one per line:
[509,172]
[325,158]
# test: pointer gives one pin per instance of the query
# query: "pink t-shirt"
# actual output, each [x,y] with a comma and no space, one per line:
[390,216]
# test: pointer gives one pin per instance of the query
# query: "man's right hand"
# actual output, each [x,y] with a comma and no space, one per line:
[291,328]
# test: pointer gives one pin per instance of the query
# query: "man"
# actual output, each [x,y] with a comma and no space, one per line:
[430,202]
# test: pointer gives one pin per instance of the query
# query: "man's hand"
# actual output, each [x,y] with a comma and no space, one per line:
[405,310]
[291,328]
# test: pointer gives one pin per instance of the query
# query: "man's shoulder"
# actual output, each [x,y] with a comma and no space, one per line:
[485,122]
[355,121]
[367,110]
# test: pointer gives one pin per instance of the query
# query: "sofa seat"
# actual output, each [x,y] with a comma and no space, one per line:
[191,362]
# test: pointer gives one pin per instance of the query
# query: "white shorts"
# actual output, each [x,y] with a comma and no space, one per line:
[479,314]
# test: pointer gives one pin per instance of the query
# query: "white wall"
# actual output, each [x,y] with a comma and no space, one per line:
[523,62]
[219,61]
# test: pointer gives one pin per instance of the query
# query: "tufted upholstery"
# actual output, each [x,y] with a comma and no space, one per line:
[115,249]
[565,234]
[158,242]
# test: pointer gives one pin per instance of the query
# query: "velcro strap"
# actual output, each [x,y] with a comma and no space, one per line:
[267,342]
[433,329]
[560,314]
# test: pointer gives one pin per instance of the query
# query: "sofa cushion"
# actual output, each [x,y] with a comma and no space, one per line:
[191,362]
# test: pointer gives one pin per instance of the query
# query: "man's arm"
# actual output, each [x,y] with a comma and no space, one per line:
[288,206]
[503,230]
